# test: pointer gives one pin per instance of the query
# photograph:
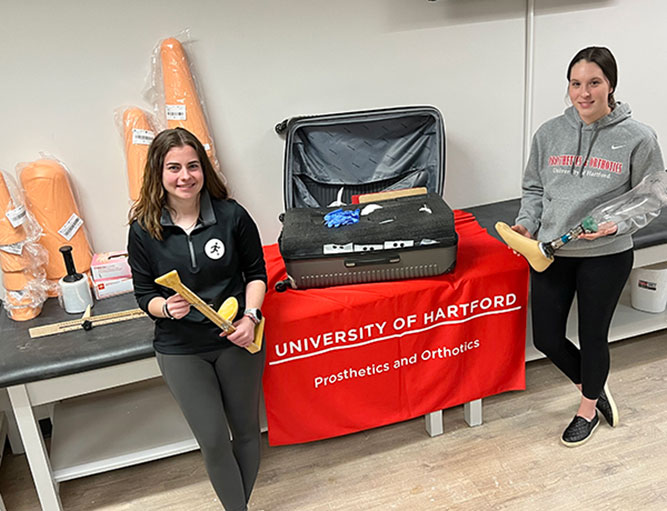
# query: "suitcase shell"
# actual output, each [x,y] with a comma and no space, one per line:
[330,159]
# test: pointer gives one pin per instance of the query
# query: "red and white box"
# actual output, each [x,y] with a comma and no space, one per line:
[104,288]
[110,265]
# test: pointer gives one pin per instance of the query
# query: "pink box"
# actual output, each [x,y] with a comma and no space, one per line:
[110,265]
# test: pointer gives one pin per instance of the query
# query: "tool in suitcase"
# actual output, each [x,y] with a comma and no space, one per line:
[334,161]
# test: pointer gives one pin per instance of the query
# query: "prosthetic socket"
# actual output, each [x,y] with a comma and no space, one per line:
[628,212]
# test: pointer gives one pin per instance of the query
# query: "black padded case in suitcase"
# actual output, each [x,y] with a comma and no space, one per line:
[332,159]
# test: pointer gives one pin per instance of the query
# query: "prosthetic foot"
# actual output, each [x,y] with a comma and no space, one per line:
[532,250]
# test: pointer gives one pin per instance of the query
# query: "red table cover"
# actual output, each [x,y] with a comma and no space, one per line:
[347,358]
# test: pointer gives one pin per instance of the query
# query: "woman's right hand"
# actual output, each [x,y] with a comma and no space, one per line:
[178,306]
[521,230]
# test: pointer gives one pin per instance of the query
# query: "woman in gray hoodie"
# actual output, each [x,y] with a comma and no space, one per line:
[592,153]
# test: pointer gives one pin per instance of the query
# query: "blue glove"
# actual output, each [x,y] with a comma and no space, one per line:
[339,217]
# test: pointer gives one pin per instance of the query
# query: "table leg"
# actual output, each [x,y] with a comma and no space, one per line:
[434,425]
[472,412]
[12,430]
[3,437]
[35,450]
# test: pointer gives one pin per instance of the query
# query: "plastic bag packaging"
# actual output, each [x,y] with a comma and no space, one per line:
[26,303]
[13,212]
[636,208]
[22,258]
[175,93]
[138,129]
[50,200]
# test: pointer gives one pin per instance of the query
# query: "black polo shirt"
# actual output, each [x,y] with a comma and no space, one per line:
[216,260]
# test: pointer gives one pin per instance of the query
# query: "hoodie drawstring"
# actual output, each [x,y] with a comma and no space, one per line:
[588,153]
[590,147]
[574,160]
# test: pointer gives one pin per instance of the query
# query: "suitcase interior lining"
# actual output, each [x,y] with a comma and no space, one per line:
[315,194]
[365,156]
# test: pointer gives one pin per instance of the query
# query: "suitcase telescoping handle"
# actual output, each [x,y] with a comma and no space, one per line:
[352,262]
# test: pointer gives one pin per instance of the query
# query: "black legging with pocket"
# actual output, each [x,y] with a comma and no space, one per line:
[597,282]
[218,392]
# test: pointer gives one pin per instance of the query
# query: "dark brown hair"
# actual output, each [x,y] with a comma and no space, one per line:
[148,208]
[605,59]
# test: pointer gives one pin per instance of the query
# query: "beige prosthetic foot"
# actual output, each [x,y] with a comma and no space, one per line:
[528,248]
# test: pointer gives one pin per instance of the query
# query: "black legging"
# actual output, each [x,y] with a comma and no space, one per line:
[218,392]
[598,282]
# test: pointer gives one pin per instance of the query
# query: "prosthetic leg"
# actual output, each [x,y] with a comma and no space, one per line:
[540,254]
[629,212]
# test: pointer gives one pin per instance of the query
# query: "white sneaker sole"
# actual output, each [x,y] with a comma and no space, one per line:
[577,444]
[614,408]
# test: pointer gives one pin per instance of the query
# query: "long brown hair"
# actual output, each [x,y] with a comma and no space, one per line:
[147,210]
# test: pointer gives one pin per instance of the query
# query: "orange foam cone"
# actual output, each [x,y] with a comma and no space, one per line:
[138,132]
[8,233]
[50,199]
[182,105]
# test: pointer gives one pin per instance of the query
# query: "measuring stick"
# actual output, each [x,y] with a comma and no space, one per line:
[87,322]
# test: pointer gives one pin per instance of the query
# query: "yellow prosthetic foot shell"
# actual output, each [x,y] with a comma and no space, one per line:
[528,248]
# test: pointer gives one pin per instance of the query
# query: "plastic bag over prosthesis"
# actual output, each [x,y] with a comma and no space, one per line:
[628,212]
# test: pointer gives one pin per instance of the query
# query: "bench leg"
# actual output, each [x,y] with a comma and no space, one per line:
[434,425]
[472,412]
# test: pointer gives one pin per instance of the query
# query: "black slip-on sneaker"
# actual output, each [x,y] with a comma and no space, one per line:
[607,407]
[579,430]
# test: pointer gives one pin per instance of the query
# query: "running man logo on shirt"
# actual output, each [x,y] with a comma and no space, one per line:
[214,248]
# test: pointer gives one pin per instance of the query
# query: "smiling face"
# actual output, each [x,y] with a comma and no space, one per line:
[589,91]
[182,174]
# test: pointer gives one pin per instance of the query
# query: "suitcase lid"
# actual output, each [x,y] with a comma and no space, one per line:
[329,158]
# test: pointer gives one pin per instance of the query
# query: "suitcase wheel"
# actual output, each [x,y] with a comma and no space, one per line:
[282,285]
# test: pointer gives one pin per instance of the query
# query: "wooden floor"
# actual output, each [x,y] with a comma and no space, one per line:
[514,461]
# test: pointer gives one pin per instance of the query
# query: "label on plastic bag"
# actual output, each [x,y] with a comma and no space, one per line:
[16,216]
[176,112]
[142,137]
[14,248]
[70,228]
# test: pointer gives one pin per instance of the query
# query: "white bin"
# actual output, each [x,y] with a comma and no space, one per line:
[648,288]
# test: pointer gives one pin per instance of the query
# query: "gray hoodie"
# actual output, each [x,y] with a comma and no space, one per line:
[574,167]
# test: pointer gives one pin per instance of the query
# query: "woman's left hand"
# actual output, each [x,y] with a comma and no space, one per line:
[604,229]
[244,335]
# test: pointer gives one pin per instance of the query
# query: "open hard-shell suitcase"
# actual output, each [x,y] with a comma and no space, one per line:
[330,160]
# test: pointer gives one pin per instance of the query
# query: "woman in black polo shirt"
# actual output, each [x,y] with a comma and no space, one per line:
[185,220]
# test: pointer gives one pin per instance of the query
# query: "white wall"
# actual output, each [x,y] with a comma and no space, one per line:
[66,65]
[634,30]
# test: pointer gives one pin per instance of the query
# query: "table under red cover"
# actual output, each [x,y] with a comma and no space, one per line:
[348,358]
